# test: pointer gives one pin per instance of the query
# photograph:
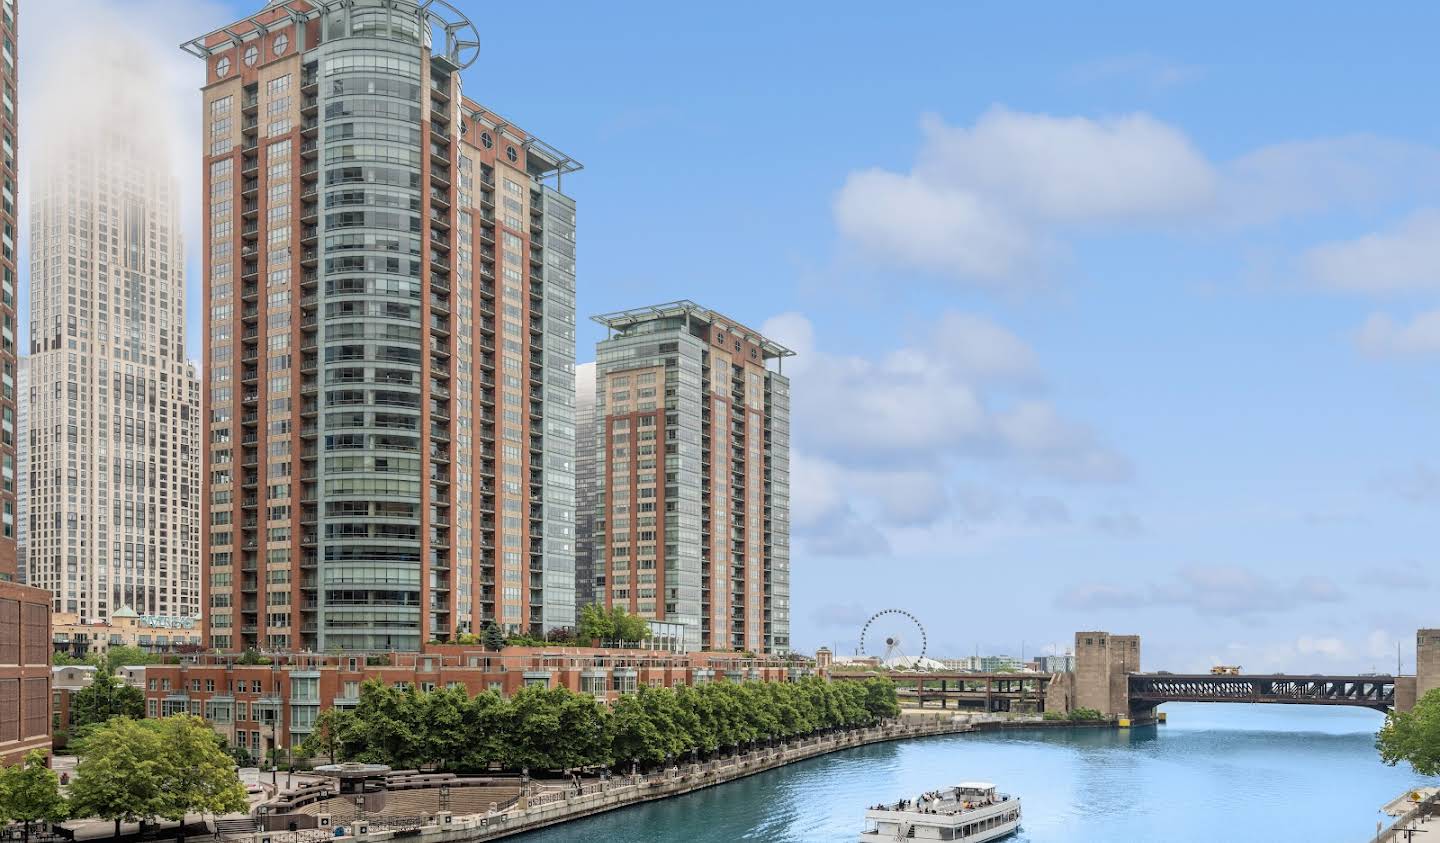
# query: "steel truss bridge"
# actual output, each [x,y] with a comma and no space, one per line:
[1148,690]
[989,692]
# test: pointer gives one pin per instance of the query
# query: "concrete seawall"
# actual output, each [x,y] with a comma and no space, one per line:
[551,808]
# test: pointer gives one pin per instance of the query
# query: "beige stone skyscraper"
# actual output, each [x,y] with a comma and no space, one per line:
[113,501]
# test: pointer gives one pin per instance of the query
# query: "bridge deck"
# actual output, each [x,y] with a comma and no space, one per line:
[1148,690]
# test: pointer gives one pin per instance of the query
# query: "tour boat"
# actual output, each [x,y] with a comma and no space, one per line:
[970,811]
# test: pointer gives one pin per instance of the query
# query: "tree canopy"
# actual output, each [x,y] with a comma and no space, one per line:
[110,660]
[138,771]
[555,728]
[105,697]
[30,793]
[613,624]
[1413,736]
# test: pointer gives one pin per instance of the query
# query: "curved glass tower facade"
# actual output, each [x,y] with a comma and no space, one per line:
[401,263]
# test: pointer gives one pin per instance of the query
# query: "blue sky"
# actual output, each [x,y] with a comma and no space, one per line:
[1110,317]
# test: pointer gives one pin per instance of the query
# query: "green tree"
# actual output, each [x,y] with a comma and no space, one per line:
[30,793]
[487,731]
[633,735]
[104,698]
[121,776]
[442,722]
[596,623]
[387,721]
[199,776]
[1413,736]
[334,736]
[120,655]
[492,637]
[629,628]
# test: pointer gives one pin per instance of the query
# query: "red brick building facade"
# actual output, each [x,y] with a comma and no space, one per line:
[24,671]
[259,707]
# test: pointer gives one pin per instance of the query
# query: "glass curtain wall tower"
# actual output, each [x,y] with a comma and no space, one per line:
[390,289]
[693,476]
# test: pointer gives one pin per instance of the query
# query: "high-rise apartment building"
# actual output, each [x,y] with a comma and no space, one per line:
[390,339]
[24,612]
[22,465]
[693,470]
[113,475]
[586,488]
[9,149]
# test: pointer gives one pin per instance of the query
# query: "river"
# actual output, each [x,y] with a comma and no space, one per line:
[1232,773]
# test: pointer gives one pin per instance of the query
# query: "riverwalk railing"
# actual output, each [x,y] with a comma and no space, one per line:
[538,807]
[1404,828]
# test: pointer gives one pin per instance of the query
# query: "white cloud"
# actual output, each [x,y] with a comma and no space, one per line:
[1405,258]
[888,438]
[993,203]
[1382,336]
[915,223]
[974,203]
[1317,175]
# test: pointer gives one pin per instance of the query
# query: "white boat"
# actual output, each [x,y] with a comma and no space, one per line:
[971,811]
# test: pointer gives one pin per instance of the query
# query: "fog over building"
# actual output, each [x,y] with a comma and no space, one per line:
[113,480]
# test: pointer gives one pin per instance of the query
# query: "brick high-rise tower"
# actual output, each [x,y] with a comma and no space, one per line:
[693,477]
[390,341]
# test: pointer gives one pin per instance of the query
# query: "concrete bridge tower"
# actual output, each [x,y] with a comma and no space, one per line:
[1103,663]
[1427,661]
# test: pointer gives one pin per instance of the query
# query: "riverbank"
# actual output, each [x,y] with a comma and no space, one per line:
[550,808]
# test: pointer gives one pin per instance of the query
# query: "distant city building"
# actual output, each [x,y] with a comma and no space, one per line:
[390,338]
[125,628]
[692,513]
[587,488]
[114,405]
[1056,664]
[22,462]
[987,664]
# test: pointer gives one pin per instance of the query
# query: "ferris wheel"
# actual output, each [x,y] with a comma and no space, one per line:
[895,636]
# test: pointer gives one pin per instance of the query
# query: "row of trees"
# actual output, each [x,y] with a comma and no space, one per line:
[555,728]
[129,771]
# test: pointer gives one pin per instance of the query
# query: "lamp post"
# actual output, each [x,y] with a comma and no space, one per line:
[444,797]
[360,805]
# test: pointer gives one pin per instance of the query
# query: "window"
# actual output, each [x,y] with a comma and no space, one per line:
[281,44]
[511,154]
[222,69]
[485,139]
[252,54]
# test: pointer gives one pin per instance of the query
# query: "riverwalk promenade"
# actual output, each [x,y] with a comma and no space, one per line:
[536,810]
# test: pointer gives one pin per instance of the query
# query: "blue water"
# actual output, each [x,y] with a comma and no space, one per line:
[1214,774]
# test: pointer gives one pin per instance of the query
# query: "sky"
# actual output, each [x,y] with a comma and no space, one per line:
[1109,316]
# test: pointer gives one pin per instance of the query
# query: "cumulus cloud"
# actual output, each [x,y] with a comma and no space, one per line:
[1222,590]
[944,395]
[973,203]
[993,203]
[888,436]
[1405,258]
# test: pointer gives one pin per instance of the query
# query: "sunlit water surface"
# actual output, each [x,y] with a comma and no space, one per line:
[1231,773]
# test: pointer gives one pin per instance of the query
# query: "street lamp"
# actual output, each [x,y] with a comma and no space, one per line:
[444,797]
